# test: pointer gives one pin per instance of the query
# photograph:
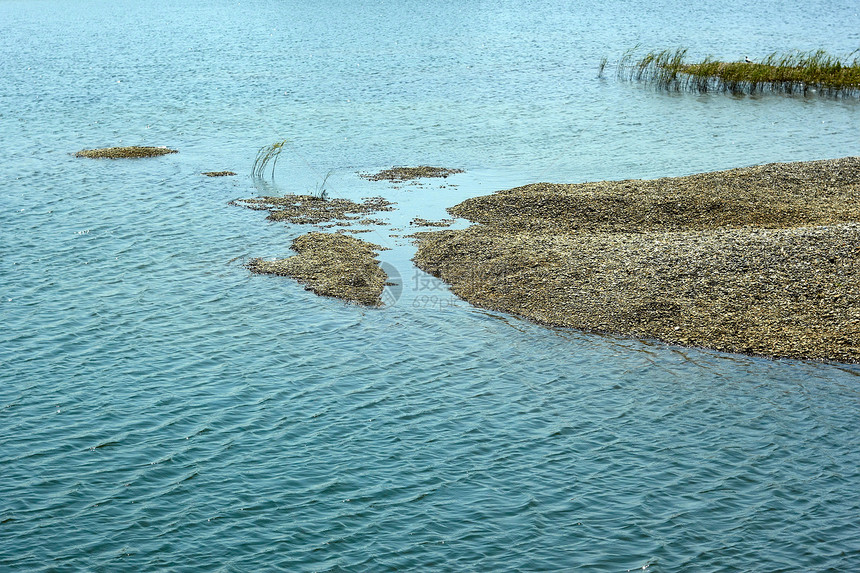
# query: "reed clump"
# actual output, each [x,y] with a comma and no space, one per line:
[219,173]
[266,155]
[130,152]
[797,72]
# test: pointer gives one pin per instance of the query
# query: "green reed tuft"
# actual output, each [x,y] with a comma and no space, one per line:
[798,72]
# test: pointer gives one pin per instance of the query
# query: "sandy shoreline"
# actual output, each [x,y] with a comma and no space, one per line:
[762,260]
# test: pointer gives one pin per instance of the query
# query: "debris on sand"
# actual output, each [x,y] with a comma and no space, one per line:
[400,174]
[419,222]
[313,210]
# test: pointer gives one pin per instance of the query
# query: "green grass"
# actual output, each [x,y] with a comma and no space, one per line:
[797,72]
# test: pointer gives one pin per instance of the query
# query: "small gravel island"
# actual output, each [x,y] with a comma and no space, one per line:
[130,152]
[331,264]
[761,260]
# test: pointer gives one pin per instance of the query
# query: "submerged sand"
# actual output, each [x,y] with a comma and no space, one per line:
[762,260]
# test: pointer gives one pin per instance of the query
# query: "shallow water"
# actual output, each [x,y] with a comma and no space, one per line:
[162,409]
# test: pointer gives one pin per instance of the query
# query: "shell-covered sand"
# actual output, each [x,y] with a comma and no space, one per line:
[331,264]
[131,152]
[762,260]
[314,210]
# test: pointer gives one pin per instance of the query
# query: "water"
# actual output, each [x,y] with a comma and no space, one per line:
[162,409]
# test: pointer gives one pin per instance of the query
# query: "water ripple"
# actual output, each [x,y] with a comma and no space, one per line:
[163,409]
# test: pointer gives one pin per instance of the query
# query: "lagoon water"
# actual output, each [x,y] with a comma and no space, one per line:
[161,409]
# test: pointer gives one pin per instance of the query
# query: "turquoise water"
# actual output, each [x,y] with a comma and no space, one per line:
[161,409]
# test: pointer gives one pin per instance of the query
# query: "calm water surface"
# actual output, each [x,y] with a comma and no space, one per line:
[163,410]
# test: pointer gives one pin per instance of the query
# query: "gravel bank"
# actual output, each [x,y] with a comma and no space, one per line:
[762,260]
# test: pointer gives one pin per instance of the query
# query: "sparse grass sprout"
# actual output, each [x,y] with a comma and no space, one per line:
[267,154]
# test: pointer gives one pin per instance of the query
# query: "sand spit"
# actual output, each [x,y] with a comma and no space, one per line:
[762,260]
[331,264]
